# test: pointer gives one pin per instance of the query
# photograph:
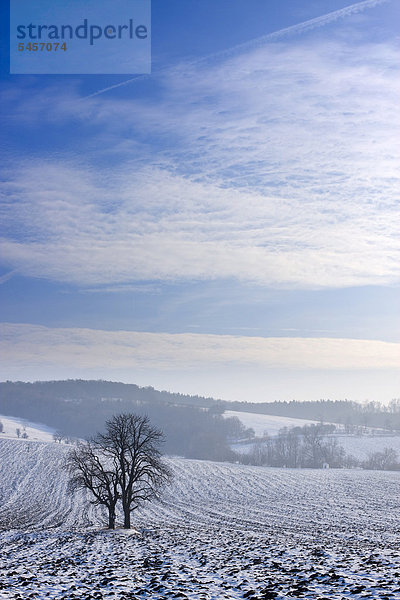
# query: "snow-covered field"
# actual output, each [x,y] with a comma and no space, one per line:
[221,532]
[266,423]
[35,431]
[361,447]
[358,446]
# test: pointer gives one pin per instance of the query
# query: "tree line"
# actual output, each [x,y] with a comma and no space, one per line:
[313,446]
[346,412]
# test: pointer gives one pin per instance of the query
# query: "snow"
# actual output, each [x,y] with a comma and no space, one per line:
[361,446]
[35,431]
[220,531]
[270,423]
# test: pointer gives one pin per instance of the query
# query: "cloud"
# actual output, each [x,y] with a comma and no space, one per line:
[308,25]
[38,346]
[160,226]
[277,166]
[7,277]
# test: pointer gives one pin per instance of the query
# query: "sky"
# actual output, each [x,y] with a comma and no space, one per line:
[226,226]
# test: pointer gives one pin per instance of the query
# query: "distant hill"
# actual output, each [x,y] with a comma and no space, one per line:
[193,425]
[80,389]
[345,412]
[77,408]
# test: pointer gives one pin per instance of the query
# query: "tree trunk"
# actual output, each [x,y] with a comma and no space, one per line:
[127,518]
[111,518]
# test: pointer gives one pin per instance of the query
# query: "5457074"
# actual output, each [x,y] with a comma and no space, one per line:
[42,46]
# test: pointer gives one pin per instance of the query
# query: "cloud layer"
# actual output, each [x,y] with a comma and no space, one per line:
[33,345]
[277,165]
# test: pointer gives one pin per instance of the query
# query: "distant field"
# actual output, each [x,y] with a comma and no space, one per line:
[221,531]
[270,423]
[358,446]
[35,431]
[361,447]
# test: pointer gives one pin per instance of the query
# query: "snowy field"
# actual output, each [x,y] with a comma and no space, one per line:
[35,431]
[221,532]
[270,423]
[361,447]
[358,446]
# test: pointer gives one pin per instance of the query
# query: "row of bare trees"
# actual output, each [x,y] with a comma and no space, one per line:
[122,464]
[297,447]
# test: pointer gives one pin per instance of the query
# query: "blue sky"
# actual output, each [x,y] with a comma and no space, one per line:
[228,225]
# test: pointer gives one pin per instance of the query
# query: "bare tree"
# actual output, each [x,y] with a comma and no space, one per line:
[387,460]
[123,463]
[313,442]
[133,444]
[90,468]
[58,436]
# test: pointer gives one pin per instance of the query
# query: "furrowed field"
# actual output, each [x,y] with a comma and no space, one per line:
[220,531]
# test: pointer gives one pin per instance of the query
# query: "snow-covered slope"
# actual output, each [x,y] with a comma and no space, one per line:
[221,531]
[35,431]
[33,492]
[361,446]
[266,423]
[358,446]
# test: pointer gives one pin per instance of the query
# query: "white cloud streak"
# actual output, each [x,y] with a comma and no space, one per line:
[308,25]
[38,346]
[6,277]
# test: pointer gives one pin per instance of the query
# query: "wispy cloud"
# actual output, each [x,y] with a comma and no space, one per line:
[128,288]
[308,25]
[6,277]
[33,345]
[302,27]
[278,165]
[159,226]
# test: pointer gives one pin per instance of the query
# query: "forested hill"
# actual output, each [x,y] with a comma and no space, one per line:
[79,408]
[346,412]
[73,389]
